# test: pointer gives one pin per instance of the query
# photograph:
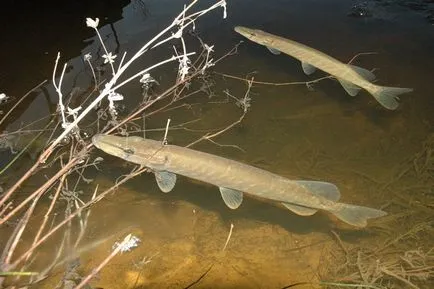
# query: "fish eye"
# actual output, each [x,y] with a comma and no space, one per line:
[129,151]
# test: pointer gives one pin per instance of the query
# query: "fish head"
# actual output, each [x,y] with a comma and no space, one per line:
[255,35]
[146,152]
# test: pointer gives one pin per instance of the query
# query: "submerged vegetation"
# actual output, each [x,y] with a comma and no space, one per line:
[404,256]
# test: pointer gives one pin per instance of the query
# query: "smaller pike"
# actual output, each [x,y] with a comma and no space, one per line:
[351,77]
[233,178]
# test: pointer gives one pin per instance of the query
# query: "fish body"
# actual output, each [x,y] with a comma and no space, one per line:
[351,77]
[233,178]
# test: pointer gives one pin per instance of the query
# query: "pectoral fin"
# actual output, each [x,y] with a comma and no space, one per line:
[232,198]
[366,74]
[350,88]
[166,180]
[300,210]
[308,68]
[274,51]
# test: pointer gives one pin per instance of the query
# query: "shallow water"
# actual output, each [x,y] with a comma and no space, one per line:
[377,158]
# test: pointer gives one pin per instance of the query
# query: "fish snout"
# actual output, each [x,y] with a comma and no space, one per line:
[96,139]
[246,32]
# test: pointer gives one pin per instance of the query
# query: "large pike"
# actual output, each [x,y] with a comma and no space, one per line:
[233,178]
[351,77]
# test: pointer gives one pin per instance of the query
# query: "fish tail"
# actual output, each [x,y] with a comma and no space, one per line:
[388,96]
[356,215]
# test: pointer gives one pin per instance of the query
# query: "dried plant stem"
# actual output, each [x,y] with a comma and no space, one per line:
[39,191]
[83,221]
[167,92]
[44,156]
[209,136]
[275,83]
[22,225]
[72,215]
[229,237]
[293,82]
[5,208]
[6,196]
[140,110]
[103,263]
[76,157]
[110,86]
[349,285]
[360,54]
[21,99]
[166,131]
[62,173]
[392,274]
[17,156]
[341,244]
[47,214]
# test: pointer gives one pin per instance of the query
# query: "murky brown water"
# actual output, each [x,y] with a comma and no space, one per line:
[377,158]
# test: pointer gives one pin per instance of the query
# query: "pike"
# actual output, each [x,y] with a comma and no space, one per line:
[232,178]
[351,77]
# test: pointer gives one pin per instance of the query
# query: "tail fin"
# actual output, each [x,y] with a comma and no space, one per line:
[356,215]
[388,96]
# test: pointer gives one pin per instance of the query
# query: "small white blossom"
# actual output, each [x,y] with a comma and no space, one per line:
[112,97]
[183,72]
[208,62]
[244,103]
[87,57]
[74,111]
[109,58]
[208,48]
[183,67]
[92,23]
[147,79]
[127,245]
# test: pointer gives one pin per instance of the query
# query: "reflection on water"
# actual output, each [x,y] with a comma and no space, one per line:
[377,158]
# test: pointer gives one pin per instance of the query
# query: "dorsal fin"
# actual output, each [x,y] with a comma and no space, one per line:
[366,74]
[323,189]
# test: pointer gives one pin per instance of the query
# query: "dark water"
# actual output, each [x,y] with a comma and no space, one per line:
[377,158]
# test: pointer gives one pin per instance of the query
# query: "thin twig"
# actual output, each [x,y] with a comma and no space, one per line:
[229,237]
[276,83]
[50,209]
[104,262]
[21,99]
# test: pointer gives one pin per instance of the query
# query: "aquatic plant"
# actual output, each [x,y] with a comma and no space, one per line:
[68,149]
[405,257]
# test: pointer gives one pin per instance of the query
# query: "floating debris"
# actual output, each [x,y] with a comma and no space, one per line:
[128,245]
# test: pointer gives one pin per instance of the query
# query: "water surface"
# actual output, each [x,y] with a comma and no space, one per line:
[377,158]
